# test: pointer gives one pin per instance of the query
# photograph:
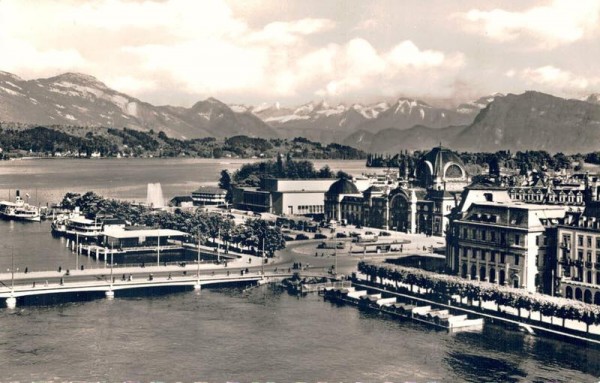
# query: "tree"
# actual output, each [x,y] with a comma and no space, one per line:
[342,174]
[225,183]
[325,172]
[261,233]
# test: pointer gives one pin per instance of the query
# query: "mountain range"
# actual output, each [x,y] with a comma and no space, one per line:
[529,121]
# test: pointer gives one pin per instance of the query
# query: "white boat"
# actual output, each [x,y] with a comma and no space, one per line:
[19,210]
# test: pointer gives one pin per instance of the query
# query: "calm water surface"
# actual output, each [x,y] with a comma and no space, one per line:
[46,181]
[231,335]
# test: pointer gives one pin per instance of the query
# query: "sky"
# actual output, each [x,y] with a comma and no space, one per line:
[178,52]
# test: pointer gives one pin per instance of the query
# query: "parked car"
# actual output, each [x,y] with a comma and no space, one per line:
[384,233]
[301,236]
[320,236]
[354,234]
[288,237]
[341,235]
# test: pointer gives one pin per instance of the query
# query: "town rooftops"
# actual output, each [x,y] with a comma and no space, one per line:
[519,205]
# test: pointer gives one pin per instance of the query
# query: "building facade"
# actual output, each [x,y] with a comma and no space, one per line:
[208,195]
[506,243]
[285,196]
[578,257]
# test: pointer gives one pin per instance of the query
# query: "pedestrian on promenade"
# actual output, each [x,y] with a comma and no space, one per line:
[59,269]
[62,281]
[33,284]
[26,270]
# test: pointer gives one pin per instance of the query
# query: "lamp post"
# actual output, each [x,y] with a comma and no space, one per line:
[158,249]
[76,251]
[110,294]
[263,256]
[11,302]
[197,285]
[219,238]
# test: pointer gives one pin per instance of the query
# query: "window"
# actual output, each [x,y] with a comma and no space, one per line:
[503,238]
[580,240]
[483,255]
[474,254]
[493,236]
[580,255]
[597,242]
[465,234]
[488,197]
[589,241]
[474,234]
[589,256]
[517,259]
[517,239]
[493,256]
[483,235]
[502,258]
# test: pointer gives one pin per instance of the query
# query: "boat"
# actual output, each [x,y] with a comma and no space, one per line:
[440,318]
[19,210]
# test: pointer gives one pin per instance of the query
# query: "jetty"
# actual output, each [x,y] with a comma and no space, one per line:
[440,318]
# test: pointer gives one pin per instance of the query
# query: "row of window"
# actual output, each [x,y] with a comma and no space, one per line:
[562,198]
[488,255]
[492,236]
[310,209]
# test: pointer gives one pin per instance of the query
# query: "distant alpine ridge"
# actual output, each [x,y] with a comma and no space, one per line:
[529,121]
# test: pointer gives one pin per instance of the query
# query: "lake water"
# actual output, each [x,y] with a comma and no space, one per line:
[47,181]
[262,334]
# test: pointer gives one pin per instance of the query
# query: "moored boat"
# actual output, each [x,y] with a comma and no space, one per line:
[441,318]
[19,210]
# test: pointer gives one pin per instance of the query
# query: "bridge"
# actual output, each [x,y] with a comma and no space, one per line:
[107,282]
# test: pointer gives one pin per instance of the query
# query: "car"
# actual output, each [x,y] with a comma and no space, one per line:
[354,234]
[320,236]
[288,237]
[341,235]
[358,226]
[301,236]
[384,233]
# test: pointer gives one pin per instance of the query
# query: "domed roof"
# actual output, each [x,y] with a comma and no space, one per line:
[438,157]
[343,186]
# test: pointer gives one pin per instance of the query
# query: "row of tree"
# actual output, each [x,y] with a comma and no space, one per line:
[251,174]
[520,161]
[111,142]
[253,234]
[447,285]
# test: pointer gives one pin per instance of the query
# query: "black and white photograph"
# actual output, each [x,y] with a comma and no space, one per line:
[317,191]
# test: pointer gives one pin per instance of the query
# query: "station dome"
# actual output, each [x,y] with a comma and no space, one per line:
[342,186]
[440,165]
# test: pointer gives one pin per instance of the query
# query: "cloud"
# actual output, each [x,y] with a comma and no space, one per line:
[558,23]
[554,79]
[182,49]
[358,66]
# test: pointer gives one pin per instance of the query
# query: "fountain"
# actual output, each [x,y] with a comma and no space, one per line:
[154,196]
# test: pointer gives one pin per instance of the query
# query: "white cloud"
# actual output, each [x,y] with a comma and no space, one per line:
[560,22]
[403,69]
[553,79]
[195,49]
